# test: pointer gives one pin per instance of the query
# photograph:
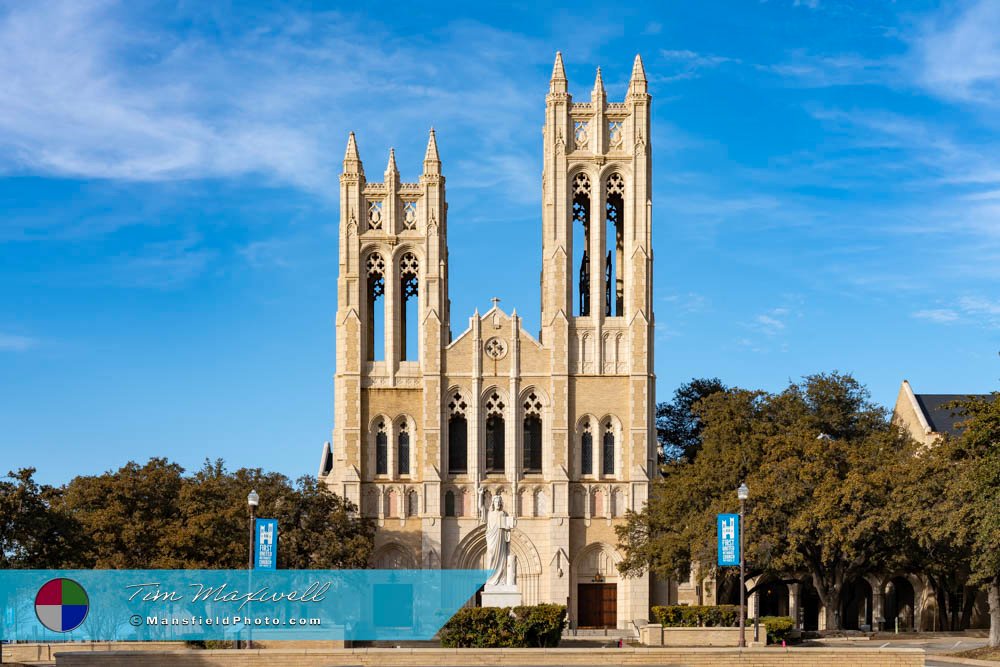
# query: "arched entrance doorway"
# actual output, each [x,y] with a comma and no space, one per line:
[595,582]
[809,606]
[773,598]
[899,603]
[470,554]
[856,607]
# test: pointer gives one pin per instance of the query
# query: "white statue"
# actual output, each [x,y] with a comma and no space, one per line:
[499,561]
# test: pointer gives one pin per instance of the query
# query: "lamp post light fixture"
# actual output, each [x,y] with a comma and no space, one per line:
[742,493]
[253,500]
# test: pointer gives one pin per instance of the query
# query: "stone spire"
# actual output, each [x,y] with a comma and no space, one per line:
[432,163]
[352,161]
[638,82]
[598,86]
[558,82]
[390,171]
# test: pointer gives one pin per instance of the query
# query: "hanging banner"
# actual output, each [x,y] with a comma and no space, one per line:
[728,526]
[266,552]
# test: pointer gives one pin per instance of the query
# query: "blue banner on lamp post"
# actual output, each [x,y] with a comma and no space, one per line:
[265,555]
[728,526]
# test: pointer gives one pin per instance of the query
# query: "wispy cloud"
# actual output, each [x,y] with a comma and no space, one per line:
[273,100]
[957,54]
[16,343]
[689,64]
[974,310]
[938,315]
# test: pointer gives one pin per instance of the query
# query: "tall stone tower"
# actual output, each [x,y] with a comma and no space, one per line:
[561,427]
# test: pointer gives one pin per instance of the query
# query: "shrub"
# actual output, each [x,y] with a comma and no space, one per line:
[778,627]
[697,616]
[494,627]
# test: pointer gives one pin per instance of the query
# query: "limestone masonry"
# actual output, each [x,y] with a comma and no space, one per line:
[431,424]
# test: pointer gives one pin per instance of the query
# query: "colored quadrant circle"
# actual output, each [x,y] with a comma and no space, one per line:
[61,605]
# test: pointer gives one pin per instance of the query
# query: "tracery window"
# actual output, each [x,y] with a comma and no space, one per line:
[580,135]
[608,458]
[587,450]
[616,133]
[458,434]
[409,290]
[381,449]
[374,215]
[375,289]
[614,278]
[581,241]
[403,449]
[495,435]
[409,215]
[532,451]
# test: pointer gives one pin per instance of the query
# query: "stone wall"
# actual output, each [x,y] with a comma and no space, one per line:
[45,651]
[657,635]
[695,657]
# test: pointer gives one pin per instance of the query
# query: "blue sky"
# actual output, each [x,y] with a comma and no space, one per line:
[826,196]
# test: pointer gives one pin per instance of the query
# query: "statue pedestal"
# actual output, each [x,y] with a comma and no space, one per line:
[501,596]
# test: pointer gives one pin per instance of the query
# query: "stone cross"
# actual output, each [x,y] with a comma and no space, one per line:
[495,301]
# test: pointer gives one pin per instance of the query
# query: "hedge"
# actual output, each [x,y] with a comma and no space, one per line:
[697,616]
[777,627]
[537,626]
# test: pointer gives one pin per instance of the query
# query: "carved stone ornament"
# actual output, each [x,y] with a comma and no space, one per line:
[495,348]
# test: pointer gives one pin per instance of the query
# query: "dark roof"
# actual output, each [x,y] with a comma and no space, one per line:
[943,419]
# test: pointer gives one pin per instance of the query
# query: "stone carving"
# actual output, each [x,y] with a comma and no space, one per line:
[499,561]
[495,348]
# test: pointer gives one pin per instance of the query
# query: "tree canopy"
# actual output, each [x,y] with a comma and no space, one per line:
[154,516]
[821,461]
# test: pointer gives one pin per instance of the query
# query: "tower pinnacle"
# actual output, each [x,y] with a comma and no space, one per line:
[637,84]
[432,163]
[390,170]
[558,82]
[352,161]
[598,85]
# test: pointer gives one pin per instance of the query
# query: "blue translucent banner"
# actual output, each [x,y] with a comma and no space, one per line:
[728,527]
[163,605]
[265,554]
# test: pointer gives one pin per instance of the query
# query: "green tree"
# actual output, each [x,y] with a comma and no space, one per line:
[127,515]
[33,533]
[320,530]
[821,461]
[980,440]
[678,426]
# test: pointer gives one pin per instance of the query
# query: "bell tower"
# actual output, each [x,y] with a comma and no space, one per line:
[392,316]
[597,308]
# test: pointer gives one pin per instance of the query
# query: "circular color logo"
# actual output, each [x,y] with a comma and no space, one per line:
[61,605]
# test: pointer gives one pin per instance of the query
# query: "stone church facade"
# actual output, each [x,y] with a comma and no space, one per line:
[430,422]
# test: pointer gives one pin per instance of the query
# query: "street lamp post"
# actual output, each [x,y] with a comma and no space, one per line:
[742,493]
[253,499]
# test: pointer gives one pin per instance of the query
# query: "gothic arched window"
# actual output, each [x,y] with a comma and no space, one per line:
[381,449]
[614,275]
[409,288]
[608,458]
[581,241]
[458,435]
[449,503]
[587,451]
[375,316]
[532,452]
[494,434]
[403,449]
[495,444]
[458,444]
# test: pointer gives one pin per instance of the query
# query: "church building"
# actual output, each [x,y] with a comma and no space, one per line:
[431,424]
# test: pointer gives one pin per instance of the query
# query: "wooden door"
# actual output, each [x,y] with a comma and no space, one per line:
[597,605]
